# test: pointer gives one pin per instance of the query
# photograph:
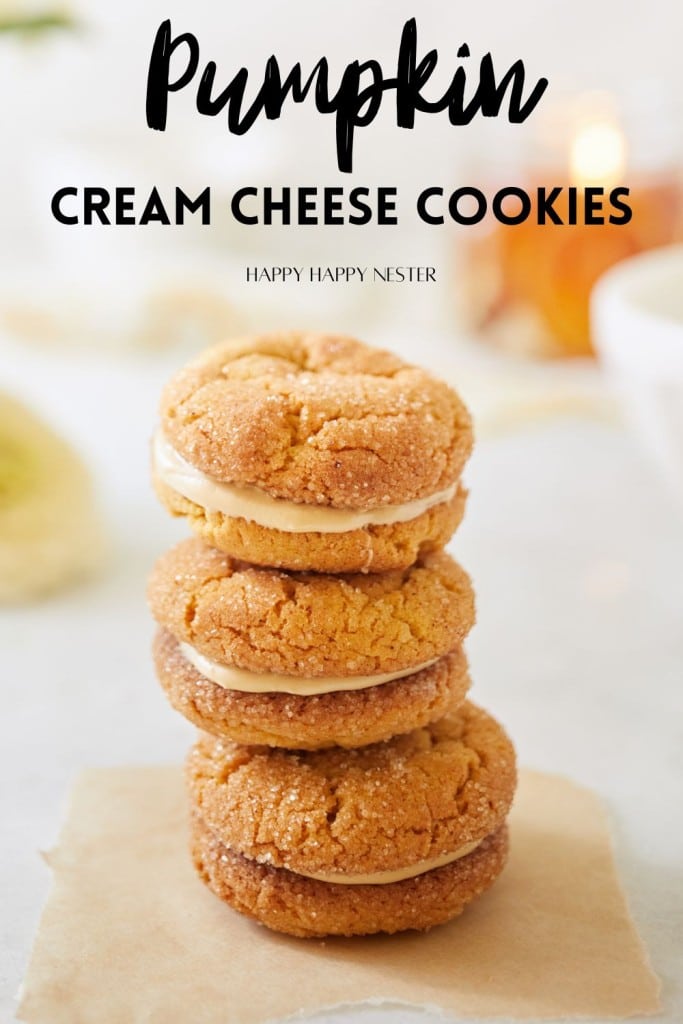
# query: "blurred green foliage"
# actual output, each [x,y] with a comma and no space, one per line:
[33,25]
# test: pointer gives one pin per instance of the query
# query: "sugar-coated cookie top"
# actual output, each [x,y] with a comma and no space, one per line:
[375,808]
[317,418]
[311,624]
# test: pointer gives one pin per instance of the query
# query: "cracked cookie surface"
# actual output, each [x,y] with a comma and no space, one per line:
[317,418]
[310,624]
[345,718]
[376,808]
[305,907]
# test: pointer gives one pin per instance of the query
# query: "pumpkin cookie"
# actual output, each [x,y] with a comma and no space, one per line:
[308,908]
[349,718]
[305,659]
[413,822]
[311,451]
[311,624]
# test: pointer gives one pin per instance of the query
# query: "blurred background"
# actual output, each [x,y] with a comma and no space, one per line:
[74,78]
[573,533]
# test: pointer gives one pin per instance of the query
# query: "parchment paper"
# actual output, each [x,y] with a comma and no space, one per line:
[129,935]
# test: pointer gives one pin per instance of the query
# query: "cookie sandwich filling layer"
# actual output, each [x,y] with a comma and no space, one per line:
[399,874]
[232,678]
[254,505]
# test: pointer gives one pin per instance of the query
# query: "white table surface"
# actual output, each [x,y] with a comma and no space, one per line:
[577,556]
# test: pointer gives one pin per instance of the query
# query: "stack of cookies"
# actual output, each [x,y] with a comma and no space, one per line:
[313,629]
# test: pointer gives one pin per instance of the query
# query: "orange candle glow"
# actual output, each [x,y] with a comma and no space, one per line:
[527,286]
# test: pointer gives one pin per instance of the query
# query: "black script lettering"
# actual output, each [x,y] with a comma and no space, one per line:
[411,76]
[489,95]
[348,102]
[158,82]
[357,100]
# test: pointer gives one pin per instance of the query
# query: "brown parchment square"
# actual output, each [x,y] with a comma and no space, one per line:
[130,936]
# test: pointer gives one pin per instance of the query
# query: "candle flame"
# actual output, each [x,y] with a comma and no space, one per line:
[598,154]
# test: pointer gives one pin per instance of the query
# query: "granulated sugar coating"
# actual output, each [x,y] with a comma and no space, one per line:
[317,421]
[342,784]
[317,418]
[311,624]
[376,808]
[370,549]
[348,718]
[308,908]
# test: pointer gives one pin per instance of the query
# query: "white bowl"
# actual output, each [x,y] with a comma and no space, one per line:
[637,320]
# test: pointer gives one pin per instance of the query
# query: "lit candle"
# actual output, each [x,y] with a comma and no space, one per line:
[528,285]
[597,154]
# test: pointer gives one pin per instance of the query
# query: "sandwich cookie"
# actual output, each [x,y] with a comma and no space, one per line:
[396,835]
[307,660]
[312,452]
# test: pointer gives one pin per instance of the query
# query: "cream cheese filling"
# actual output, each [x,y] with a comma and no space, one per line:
[232,678]
[256,506]
[399,875]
